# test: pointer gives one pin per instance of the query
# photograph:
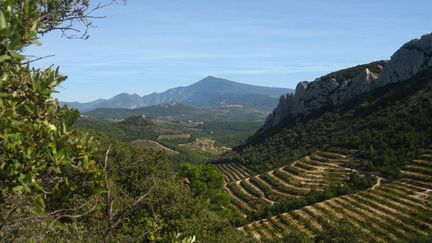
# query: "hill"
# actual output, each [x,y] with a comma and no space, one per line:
[278,199]
[209,92]
[336,89]
[388,124]
[181,112]
[349,155]
[389,129]
[184,139]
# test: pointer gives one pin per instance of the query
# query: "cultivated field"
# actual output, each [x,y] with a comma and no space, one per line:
[388,212]
[234,172]
[316,172]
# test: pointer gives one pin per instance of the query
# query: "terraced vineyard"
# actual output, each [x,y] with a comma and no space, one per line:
[388,212]
[234,172]
[316,172]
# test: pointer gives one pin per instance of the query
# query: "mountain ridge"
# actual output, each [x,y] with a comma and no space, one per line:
[208,92]
[387,123]
[337,88]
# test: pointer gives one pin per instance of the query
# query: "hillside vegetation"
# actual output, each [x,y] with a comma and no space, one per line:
[186,140]
[359,172]
[181,112]
[388,126]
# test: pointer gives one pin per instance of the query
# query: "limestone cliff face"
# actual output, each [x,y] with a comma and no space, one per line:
[323,92]
[337,88]
[412,58]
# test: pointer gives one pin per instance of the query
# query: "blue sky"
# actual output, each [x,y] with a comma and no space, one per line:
[150,46]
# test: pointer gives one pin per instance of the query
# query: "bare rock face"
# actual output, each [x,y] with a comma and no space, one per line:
[285,106]
[349,89]
[412,58]
[322,92]
[327,91]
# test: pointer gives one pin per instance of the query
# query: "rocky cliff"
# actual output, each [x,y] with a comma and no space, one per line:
[339,87]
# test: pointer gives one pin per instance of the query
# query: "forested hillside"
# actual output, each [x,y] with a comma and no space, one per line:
[388,126]
[181,112]
[359,171]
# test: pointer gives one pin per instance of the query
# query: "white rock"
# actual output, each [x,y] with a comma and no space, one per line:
[409,60]
[412,58]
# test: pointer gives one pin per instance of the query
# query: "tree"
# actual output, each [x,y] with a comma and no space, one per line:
[206,182]
[43,162]
[114,217]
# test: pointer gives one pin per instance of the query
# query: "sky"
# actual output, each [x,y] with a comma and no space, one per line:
[153,45]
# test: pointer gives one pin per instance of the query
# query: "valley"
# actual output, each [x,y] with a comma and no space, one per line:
[189,133]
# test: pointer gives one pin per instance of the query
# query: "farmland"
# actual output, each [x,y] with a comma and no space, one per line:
[389,211]
[251,191]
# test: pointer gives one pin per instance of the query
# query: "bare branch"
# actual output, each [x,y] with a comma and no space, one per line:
[114,219]
[71,216]
[58,214]
[71,12]
[131,207]
[37,59]
[106,161]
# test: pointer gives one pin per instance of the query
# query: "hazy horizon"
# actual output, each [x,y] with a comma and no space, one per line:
[151,46]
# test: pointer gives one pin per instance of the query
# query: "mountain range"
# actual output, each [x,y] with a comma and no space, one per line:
[209,92]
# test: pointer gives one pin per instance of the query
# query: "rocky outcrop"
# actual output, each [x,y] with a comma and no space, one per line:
[349,89]
[337,88]
[323,92]
[412,58]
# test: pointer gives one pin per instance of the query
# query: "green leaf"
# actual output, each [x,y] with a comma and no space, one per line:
[18,188]
[85,163]
[17,56]
[4,58]
[36,43]
[3,23]
[39,203]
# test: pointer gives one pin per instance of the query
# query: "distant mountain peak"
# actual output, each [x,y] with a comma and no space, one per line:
[125,95]
[213,79]
[210,77]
